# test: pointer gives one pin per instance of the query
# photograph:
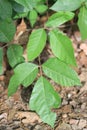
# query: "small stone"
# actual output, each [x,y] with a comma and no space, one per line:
[85,129]
[28,117]
[73,103]
[75,127]
[16,122]
[3,121]
[84,115]
[73,121]
[3,116]
[8,128]
[83,76]
[82,123]
[64,102]
[64,115]
[2,127]
[69,95]
[64,126]
[39,127]
[83,106]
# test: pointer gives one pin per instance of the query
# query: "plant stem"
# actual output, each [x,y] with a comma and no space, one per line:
[41,73]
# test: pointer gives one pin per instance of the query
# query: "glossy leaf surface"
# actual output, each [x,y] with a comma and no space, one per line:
[41,8]
[24,74]
[82,22]
[14,54]
[29,4]
[7,30]
[36,44]
[60,72]
[5,9]
[43,99]
[66,5]
[33,17]
[62,47]
[59,18]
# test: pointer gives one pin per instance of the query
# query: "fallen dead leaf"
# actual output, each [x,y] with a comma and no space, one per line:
[28,117]
[66,109]
[82,59]
[2,77]
[21,27]
[83,76]
[84,88]
[3,115]
[77,36]
[11,114]
[64,126]
[84,48]
[82,123]
[74,121]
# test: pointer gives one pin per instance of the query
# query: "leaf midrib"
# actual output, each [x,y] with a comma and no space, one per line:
[46,101]
[66,51]
[60,74]
[52,20]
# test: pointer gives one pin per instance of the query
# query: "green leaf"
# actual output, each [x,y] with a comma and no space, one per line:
[82,22]
[7,30]
[41,8]
[1,61]
[24,74]
[33,17]
[29,4]
[86,3]
[60,72]
[18,7]
[62,47]
[41,1]
[14,54]
[20,15]
[43,99]
[59,18]
[66,5]
[37,41]
[5,9]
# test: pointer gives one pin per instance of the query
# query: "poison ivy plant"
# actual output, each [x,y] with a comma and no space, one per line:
[29,9]
[69,5]
[59,68]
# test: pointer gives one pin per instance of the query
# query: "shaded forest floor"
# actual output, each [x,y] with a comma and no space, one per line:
[72,115]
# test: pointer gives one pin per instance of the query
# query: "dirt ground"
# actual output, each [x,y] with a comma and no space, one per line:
[72,115]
